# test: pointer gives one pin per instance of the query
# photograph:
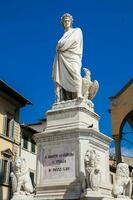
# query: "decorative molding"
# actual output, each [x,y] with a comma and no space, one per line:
[8,139]
[118,103]
[82,133]
[77,109]
[67,126]
[97,144]
[7,153]
[59,137]
[96,135]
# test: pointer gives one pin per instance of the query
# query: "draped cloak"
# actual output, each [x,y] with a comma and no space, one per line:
[67,62]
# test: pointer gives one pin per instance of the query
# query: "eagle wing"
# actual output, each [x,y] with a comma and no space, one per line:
[93,89]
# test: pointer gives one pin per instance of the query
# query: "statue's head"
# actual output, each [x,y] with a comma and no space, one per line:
[122,170]
[87,72]
[90,154]
[66,20]
[20,163]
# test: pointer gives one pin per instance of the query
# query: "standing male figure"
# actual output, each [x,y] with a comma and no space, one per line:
[67,62]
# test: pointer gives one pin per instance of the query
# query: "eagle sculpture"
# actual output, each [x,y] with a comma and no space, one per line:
[89,88]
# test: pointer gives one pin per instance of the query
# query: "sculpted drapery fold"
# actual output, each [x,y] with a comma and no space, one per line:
[67,62]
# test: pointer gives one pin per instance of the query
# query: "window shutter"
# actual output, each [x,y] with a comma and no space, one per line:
[8,171]
[1,171]
[4,124]
[11,128]
[16,131]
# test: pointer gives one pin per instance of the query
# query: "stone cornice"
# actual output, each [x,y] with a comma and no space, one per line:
[11,140]
[69,133]
[78,109]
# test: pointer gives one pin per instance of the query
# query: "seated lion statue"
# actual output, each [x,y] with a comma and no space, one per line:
[123,183]
[21,182]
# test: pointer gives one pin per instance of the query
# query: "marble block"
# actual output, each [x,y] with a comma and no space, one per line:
[22,197]
[118,198]
[72,113]
[72,128]
[94,195]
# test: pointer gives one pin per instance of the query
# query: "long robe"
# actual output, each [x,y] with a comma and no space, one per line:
[67,62]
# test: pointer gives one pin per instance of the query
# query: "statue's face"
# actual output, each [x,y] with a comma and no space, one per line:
[92,154]
[18,163]
[67,22]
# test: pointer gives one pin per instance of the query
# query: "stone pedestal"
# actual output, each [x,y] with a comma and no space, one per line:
[93,195]
[22,197]
[96,195]
[72,128]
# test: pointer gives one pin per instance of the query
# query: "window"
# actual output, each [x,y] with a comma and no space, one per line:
[33,146]
[5,168]
[32,175]
[8,126]
[25,141]
[111,178]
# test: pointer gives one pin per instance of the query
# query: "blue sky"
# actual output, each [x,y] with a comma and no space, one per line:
[29,31]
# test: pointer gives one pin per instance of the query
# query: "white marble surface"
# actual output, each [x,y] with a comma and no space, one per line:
[89,87]
[20,179]
[118,198]
[72,114]
[58,162]
[122,187]
[64,176]
[23,197]
[67,62]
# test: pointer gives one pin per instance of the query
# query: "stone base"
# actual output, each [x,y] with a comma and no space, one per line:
[62,191]
[72,128]
[23,197]
[70,114]
[121,197]
[94,195]
[55,197]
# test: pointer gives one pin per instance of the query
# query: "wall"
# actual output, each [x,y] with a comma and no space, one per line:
[30,158]
[39,127]
[4,144]
[120,107]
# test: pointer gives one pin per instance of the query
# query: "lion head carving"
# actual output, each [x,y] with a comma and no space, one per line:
[20,166]
[122,170]
[21,181]
[123,183]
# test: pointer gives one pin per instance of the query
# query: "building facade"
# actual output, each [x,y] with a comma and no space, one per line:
[10,104]
[28,145]
[121,109]
[28,150]
[39,126]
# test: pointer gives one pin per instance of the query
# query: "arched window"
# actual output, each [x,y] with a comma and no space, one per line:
[126,131]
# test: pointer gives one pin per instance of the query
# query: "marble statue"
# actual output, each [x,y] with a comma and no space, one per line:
[92,169]
[20,178]
[89,88]
[122,187]
[67,62]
